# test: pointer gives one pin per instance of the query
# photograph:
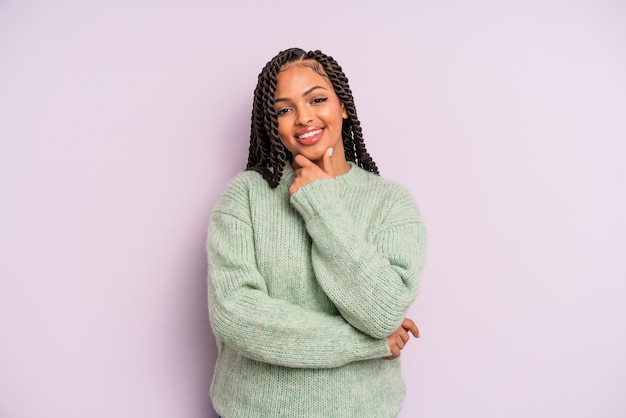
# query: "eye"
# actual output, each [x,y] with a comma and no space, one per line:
[283,111]
[319,100]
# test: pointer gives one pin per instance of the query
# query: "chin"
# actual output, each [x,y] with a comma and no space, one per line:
[314,155]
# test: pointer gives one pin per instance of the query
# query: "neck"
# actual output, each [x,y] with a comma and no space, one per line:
[341,167]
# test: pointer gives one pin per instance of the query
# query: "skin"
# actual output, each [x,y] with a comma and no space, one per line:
[306,102]
[400,337]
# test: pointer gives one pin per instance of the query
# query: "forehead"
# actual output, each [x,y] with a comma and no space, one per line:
[296,78]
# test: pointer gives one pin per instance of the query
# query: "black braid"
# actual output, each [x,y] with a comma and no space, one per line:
[267,155]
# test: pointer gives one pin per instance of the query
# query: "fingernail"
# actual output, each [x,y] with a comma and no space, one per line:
[330,152]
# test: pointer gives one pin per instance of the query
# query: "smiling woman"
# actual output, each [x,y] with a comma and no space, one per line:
[313,258]
[310,115]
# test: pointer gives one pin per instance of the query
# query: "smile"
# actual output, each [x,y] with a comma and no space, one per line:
[310,137]
[309,134]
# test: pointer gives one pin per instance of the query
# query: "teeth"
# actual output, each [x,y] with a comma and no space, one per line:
[309,134]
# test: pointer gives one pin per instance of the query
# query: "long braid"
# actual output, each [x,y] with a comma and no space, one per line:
[267,155]
[354,144]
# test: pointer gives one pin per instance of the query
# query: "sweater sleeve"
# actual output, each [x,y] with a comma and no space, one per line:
[371,277]
[267,329]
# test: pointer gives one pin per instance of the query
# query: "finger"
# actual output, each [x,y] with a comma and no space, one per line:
[327,163]
[395,351]
[409,325]
[400,343]
[400,335]
[302,161]
[416,332]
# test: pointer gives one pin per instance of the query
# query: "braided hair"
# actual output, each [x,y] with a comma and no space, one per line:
[267,154]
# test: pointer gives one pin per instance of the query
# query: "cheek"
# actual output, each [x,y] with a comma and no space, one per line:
[334,114]
[284,134]
[282,130]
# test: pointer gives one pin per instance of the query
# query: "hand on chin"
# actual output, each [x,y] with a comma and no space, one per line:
[314,157]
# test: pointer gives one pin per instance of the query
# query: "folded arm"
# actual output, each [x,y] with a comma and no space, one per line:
[371,276]
[266,329]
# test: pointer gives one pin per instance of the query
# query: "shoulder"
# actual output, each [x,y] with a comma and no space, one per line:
[239,190]
[393,198]
[246,180]
[389,189]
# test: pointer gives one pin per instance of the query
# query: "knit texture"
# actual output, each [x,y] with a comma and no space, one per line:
[303,292]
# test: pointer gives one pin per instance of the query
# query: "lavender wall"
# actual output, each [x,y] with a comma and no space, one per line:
[121,123]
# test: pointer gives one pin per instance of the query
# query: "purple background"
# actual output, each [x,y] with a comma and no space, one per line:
[122,122]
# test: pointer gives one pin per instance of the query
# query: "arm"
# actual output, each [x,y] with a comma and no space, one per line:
[371,279]
[263,328]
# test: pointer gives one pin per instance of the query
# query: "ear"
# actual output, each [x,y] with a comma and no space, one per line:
[344,112]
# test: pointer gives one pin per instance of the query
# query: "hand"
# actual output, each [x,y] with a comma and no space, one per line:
[308,172]
[398,339]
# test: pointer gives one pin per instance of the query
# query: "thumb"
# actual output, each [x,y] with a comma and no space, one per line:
[327,161]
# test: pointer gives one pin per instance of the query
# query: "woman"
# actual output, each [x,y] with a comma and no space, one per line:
[313,258]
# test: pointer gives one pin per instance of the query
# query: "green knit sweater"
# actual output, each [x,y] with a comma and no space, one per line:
[303,291]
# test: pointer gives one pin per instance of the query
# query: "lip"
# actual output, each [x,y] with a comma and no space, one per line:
[311,139]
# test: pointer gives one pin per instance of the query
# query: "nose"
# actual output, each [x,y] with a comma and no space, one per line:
[304,116]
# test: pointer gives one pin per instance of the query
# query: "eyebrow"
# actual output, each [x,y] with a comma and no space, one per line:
[284,99]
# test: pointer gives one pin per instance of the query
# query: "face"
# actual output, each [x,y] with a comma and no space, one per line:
[310,115]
